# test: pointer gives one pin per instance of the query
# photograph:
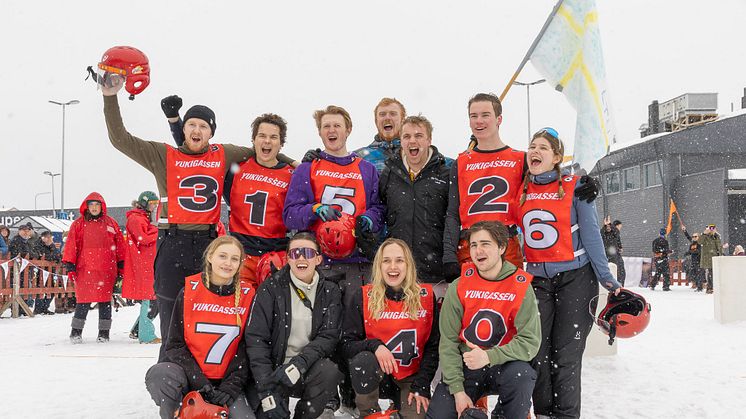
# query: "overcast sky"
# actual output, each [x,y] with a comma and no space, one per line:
[245,58]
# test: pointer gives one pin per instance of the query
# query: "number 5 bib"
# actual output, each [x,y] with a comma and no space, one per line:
[195,185]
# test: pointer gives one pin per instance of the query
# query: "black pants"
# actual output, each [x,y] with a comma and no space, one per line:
[621,273]
[708,278]
[661,270]
[513,382]
[178,255]
[81,312]
[697,276]
[565,324]
[314,390]
[350,277]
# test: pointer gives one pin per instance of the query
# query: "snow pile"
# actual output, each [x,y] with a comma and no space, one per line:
[685,365]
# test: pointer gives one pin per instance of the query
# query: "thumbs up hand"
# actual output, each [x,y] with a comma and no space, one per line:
[476,358]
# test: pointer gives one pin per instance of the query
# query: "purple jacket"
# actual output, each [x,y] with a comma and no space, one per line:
[298,211]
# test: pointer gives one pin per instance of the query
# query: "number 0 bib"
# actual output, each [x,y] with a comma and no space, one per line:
[490,307]
[195,185]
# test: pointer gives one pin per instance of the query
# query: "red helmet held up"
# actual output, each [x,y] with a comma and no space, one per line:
[337,237]
[266,262]
[193,406]
[130,63]
[626,315]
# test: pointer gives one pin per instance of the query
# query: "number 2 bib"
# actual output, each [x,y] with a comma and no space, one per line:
[195,185]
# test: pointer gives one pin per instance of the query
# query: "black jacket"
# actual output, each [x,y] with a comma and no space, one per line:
[269,326]
[612,242]
[19,246]
[354,340]
[50,253]
[237,374]
[660,245]
[694,252]
[416,210]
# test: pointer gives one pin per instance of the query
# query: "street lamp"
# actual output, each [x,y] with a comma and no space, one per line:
[62,180]
[52,175]
[528,100]
[37,196]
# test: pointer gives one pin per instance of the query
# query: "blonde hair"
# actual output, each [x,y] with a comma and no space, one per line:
[207,267]
[410,286]
[559,150]
[333,110]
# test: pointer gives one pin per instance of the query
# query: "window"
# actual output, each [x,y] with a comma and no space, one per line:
[612,182]
[631,178]
[651,175]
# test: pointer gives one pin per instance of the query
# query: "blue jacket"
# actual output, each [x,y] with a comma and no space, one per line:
[378,151]
[587,237]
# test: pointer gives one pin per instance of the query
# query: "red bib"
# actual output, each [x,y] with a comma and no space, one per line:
[404,337]
[339,186]
[487,185]
[257,198]
[210,328]
[195,185]
[490,307]
[545,221]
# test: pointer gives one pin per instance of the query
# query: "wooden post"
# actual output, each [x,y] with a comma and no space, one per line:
[17,301]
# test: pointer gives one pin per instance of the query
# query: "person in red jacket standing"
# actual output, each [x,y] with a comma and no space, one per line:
[94,256]
[139,256]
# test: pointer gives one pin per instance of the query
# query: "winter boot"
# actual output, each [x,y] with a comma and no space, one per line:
[76,336]
[104,325]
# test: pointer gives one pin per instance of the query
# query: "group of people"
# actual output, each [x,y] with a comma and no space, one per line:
[347,309]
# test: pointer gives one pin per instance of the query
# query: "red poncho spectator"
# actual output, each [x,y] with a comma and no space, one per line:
[94,255]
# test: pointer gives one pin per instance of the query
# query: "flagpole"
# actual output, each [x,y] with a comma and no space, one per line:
[531,49]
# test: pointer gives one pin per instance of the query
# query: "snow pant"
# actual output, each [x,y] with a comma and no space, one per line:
[152,314]
[350,277]
[143,326]
[512,382]
[621,273]
[708,278]
[178,255]
[661,270]
[387,387]
[167,384]
[81,312]
[314,390]
[565,324]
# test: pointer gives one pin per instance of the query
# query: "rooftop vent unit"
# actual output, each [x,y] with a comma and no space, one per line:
[687,110]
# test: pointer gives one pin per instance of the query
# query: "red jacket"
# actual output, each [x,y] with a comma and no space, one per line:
[139,256]
[95,247]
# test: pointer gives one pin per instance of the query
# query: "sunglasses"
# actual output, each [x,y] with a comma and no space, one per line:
[306,252]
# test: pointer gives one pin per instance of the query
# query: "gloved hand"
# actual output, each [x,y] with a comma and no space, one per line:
[288,374]
[327,213]
[364,222]
[311,155]
[274,405]
[219,397]
[171,105]
[589,190]
[366,240]
[451,271]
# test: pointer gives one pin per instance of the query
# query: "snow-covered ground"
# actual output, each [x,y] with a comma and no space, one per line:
[685,365]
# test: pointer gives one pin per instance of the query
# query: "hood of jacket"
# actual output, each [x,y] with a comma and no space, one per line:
[93,196]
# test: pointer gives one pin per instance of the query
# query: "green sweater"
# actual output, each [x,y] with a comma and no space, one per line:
[523,347]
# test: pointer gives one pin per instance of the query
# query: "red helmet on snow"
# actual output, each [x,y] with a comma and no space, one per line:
[337,237]
[193,406]
[625,315]
[128,62]
[267,262]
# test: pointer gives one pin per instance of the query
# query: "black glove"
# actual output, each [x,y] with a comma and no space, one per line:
[289,374]
[366,240]
[171,105]
[219,397]
[451,271]
[311,155]
[589,190]
[274,405]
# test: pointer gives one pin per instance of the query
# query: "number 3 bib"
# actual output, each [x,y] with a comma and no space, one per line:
[195,185]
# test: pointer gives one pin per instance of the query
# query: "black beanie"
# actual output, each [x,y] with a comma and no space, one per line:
[204,113]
